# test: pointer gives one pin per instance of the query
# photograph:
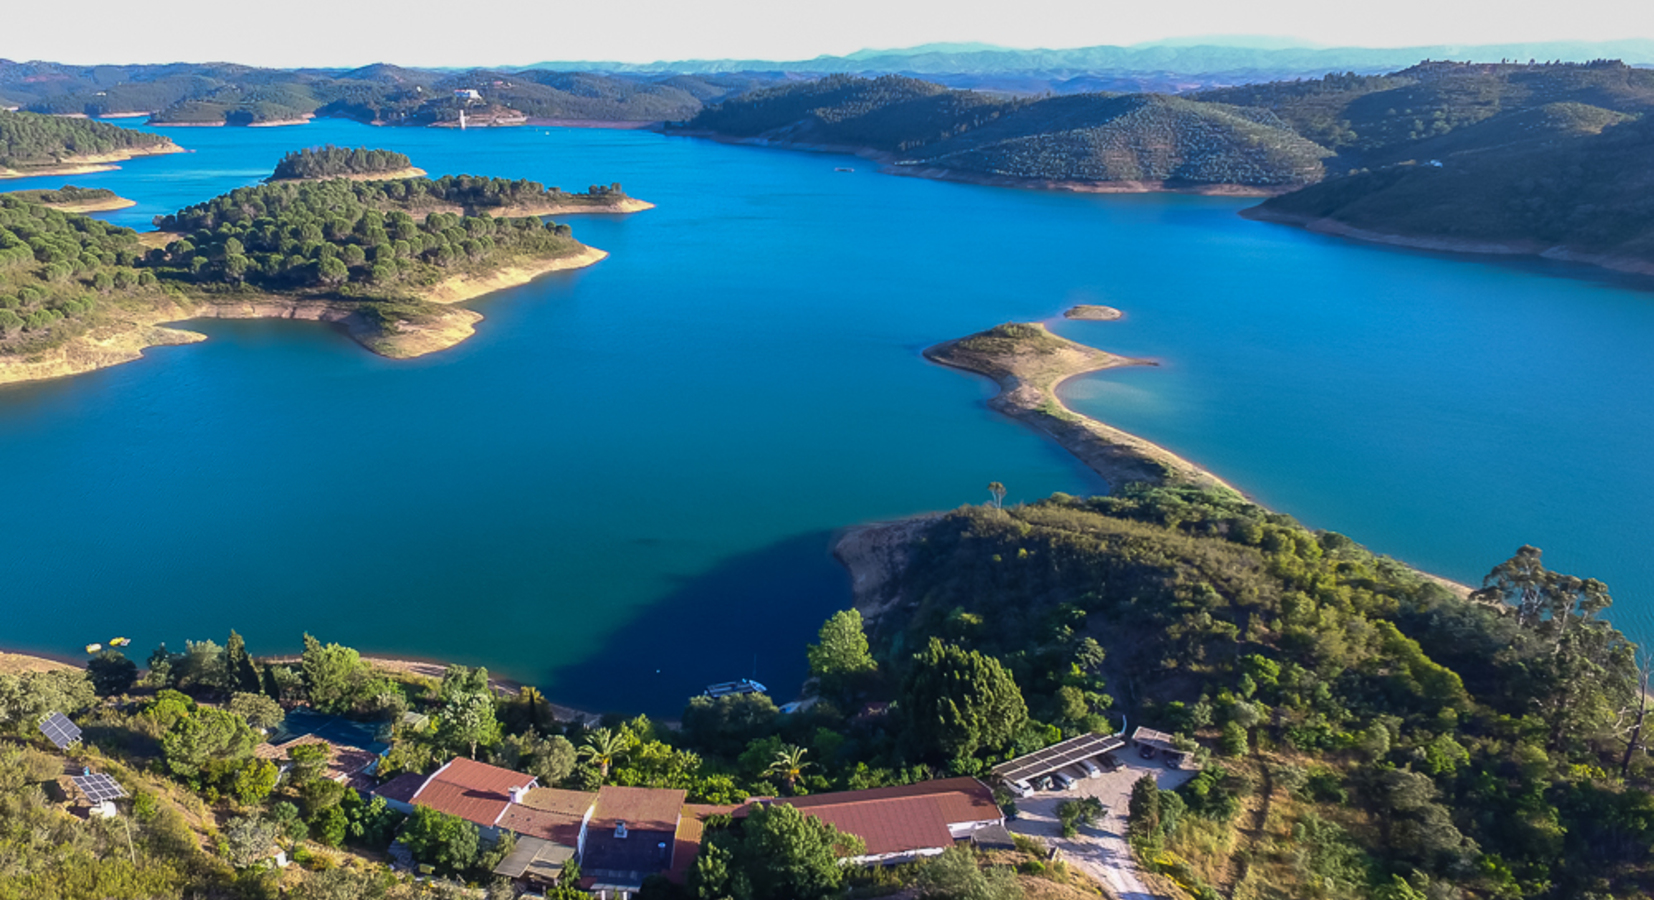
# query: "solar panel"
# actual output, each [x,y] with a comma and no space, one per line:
[1057,755]
[98,787]
[59,730]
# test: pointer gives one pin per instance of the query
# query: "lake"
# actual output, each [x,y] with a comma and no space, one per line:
[626,485]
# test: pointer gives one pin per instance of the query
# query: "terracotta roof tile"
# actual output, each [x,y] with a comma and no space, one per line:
[558,828]
[642,809]
[474,791]
[962,799]
[402,787]
[891,825]
[553,800]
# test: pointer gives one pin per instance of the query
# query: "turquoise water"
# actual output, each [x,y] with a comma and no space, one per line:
[625,485]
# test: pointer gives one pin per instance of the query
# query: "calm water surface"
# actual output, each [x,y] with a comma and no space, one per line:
[624,487]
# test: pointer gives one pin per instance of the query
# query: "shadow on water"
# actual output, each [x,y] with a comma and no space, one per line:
[765,606]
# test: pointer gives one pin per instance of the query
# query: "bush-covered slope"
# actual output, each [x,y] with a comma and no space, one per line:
[1090,137]
[1377,119]
[1588,192]
[1140,137]
[1369,726]
[891,113]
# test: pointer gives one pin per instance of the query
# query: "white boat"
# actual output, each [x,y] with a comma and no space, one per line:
[728,688]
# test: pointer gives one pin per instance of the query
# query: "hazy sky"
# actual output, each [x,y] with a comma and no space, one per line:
[352,32]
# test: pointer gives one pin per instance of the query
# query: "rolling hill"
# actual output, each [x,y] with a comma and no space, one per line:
[1083,138]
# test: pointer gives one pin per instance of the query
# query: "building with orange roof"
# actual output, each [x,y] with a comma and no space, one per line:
[619,835]
[904,822]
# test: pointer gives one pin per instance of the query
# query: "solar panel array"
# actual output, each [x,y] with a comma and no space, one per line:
[1057,755]
[59,730]
[98,787]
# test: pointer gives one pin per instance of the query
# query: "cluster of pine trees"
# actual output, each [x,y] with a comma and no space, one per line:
[28,139]
[330,161]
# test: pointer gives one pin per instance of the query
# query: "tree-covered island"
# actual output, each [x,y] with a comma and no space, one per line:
[33,144]
[340,162]
[74,199]
[384,259]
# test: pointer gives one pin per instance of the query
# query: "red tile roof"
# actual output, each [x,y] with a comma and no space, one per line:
[962,799]
[403,787]
[558,828]
[902,818]
[893,825]
[642,809]
[474,791]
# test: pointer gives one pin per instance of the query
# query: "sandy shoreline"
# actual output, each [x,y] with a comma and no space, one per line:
[88,206]
[1628,265]
[468,287]
[1029,375]
[89,163]
[125,339]
[1029,393]
[392,175]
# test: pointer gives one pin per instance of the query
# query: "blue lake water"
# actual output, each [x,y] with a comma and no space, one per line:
[626,484]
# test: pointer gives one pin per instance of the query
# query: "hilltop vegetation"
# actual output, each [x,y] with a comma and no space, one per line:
[59,272]
[223,93]
[67,195]
[1369,726]
[1371,120]
[339,234]
[32,141]
[369,249]
[1092,137]
[331,161]
[1534,157]
[1141,137]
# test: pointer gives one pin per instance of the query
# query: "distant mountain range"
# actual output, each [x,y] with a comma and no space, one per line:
[1164,66]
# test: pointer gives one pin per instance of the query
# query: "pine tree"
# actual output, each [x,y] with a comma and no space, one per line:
[956,702]
[239,667]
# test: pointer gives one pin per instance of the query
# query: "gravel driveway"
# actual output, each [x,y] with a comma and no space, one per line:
[1100,850]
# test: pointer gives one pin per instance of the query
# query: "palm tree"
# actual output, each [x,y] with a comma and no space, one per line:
[603,746]
[789,764]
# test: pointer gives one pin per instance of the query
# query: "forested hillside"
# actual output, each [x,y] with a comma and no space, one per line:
[1139,137]
[30,140]
[1091,137]
[222,93]
[372,246]
[1589,189]
[1373,120]
[1369,727]
[381,234]
[1361,733]
[60,272]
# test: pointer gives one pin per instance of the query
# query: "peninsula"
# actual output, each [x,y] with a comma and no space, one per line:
[34,145]
[1028,362]
[383,260]
[73,199]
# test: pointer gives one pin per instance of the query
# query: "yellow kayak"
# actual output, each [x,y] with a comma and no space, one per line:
[93,648]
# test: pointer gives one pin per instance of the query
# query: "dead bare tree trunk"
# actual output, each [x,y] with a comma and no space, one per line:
[1645,665]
